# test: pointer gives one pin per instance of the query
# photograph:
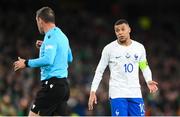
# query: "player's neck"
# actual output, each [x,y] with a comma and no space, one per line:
[49,26]
[125,43]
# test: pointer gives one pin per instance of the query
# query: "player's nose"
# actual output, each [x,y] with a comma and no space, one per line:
[120,33]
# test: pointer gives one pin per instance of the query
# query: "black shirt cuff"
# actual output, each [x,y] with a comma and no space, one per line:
[26,63]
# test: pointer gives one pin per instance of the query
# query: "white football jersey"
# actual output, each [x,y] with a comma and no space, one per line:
[123,62]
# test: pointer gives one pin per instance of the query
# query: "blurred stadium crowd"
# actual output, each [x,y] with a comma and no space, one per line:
[89,27]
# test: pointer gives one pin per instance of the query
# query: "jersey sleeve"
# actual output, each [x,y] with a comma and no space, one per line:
[48,56]
[70,57]
[143,64]
[100,69]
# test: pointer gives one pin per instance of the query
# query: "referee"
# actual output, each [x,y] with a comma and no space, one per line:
[55,53]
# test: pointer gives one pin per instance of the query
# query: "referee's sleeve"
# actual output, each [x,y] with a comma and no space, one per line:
[100,69]
[50,47]
[70,57]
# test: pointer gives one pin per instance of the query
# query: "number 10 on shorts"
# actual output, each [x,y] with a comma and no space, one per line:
[128,67]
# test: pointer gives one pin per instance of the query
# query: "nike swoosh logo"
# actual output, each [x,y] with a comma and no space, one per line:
[117,57]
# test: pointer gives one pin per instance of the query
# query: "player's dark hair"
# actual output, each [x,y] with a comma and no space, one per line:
[121,21]
[46,14]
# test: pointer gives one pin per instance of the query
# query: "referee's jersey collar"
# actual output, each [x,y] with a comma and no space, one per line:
[50,30]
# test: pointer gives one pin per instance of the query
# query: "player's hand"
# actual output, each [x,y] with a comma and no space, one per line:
[92,100]
[152,85]
[39,43]
[19,64]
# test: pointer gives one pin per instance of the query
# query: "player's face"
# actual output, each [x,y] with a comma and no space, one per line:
[122,32]
[40,25]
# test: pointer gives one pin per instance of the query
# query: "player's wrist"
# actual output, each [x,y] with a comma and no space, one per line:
[26,63]
[93,92]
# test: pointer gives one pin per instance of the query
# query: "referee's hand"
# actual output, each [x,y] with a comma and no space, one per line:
[39,43]
[92,100]
[19,64]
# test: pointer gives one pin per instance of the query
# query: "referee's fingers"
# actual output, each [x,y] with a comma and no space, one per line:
[16,68]
[19,58]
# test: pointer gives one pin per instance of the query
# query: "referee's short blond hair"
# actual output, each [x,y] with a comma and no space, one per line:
[46,14]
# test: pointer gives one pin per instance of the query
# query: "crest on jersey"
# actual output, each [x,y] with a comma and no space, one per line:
[128,55]
[48,47]
[135,56]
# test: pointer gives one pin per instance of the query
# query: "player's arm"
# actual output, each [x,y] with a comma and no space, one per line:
[48,58]
[143,64]
[97,78]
